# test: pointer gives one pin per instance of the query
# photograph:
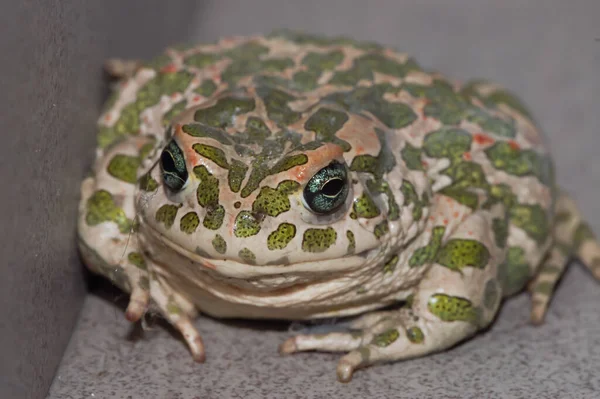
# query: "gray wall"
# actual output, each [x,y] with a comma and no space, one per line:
[51,88]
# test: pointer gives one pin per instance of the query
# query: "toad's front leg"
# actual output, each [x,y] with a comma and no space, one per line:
[459,295]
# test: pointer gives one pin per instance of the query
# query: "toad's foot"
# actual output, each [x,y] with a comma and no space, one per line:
[572,236]
[179,312]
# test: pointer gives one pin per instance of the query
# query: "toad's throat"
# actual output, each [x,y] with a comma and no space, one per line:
[221,288]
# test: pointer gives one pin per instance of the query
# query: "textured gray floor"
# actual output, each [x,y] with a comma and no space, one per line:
[561,359]
[546,52]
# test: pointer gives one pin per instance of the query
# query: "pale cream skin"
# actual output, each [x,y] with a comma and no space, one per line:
[446,207]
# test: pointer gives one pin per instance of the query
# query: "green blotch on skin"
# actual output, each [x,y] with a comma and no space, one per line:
[247,256]
[466,175]
[208,188]
[173,308]
[500,229]
[237,174]
[203,130]
[175,110]
[166,214]
[288,163]
[306,80]
[386,338]
[519,162]
[490,294]
[257,130]
[366,65]
[351,241]
[464,197]
[189,222]
[514,272]
[201,60]
[415,335]
[408,303]
[246,225]
[444,103]
[447,142]
[323,61]
[365,163]
[136,259]
[206,88]
[224,111]
[276,103]
[147,149]
[490,123]
[582,234]
[394,115]
[147,96]
[499,193]
[219,244]
[411,197]
[453,308]
[281,237]
[428,253]
[318,240]
[214,218]
[258,173]
[391,264]
[412,157]
[381,229]
[213,153]
[124,167]
[246,61]
[275,201]
[532,219]
[456,254]
[101,208]
[364,207]
[326,123]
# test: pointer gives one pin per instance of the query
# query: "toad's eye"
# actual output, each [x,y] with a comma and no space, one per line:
[327,190]
[172,163]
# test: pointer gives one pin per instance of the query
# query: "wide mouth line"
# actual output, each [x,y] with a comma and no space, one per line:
[264,269]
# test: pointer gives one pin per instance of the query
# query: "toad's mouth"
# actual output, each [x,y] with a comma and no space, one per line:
[231,268]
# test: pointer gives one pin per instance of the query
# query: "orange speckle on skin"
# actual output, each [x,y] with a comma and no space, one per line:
[455,215]
[513,144]
[171,68]
[424,163]
[209,265]
[446,222]
[470,233]
[467,156]
[107,118]
[482,139]
[174,95]
[196,98]
[431,218]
